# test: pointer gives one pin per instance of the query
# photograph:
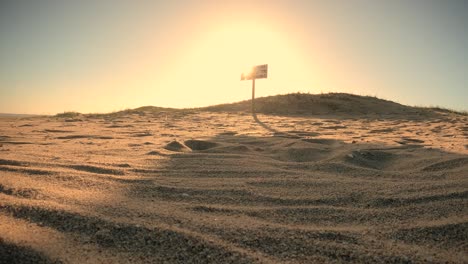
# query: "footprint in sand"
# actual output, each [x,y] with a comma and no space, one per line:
[200,144]
[228,133]
[96,169]
[304,133]
[384,130]
[19,192]
[155,153]
[334,127]
[408,140]
[142,134]
[323,141]
[57,131]
[4,138]
[84,136]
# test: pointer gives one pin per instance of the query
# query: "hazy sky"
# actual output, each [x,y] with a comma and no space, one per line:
[101,56]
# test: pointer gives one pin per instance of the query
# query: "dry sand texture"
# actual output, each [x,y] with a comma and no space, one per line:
[201,187]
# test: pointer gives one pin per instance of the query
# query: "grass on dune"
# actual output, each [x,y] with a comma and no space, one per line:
[294,104]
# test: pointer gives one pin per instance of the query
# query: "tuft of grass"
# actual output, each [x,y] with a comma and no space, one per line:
[141,111]
[68,114]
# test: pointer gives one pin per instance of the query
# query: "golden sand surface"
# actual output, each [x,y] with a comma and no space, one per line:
[203,187]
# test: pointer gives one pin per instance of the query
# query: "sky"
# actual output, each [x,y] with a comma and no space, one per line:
[108,55]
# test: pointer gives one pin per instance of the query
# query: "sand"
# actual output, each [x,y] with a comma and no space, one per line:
[205,187]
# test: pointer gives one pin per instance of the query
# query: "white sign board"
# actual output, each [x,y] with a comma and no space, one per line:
[258,72]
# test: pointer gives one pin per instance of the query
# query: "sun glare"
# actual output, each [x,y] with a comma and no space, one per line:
[248,71]
[209,70]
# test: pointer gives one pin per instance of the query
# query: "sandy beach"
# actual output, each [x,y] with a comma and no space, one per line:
[222,187]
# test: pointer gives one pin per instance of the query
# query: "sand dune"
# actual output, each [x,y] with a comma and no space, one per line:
[151,186]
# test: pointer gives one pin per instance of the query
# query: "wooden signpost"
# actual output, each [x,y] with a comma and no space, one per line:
[257,72]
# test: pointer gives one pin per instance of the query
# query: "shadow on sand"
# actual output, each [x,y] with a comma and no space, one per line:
[11,253]
[265,126]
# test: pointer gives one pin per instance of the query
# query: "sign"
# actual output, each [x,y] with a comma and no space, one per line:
[257,72]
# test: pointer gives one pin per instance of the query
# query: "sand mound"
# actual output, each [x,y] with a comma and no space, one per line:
[176,146]
[323,104]
[298,104]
